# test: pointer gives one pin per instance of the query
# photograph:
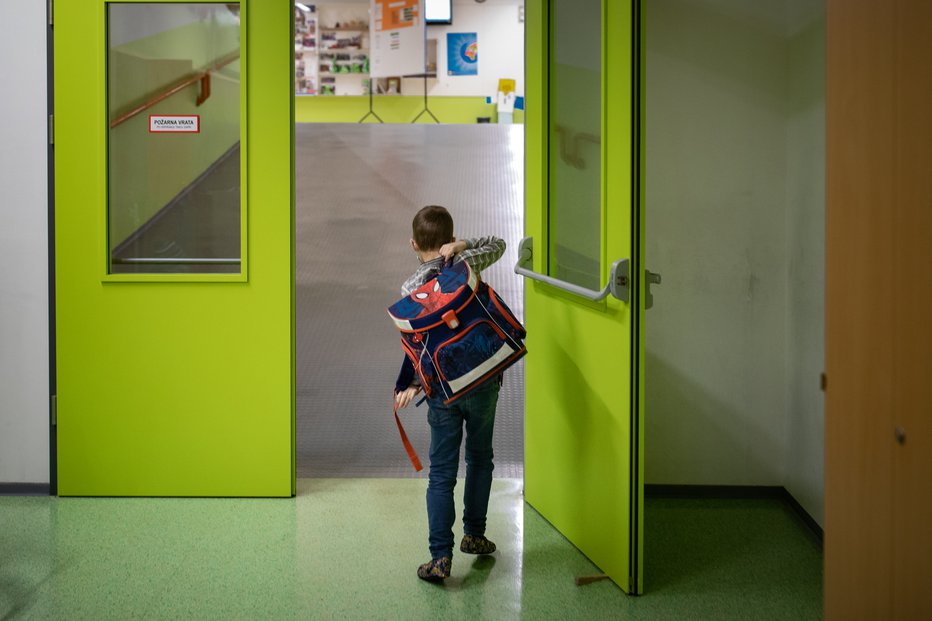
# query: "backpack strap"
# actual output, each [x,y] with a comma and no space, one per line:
[412,454]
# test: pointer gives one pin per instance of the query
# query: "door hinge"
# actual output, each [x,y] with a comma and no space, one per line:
[651,279]
[54,408]
[823,381]
[51,12]
[51,129]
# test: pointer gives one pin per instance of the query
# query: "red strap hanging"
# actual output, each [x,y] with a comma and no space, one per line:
[412,455]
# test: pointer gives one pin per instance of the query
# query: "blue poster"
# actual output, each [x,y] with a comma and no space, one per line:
[462,53]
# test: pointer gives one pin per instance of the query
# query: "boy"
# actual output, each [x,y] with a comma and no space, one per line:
[434,244]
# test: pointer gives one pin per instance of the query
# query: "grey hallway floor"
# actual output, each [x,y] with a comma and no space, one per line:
[358,187]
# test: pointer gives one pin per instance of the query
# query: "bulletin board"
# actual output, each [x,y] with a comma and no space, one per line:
[397,38]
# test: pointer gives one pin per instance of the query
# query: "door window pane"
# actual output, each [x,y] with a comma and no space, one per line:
[575,83]
[173,80]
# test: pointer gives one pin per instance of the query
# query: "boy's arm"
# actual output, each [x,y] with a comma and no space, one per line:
[482,252]
[406,376]
[407,384]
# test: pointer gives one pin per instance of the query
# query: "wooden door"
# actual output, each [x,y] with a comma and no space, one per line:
[878,454]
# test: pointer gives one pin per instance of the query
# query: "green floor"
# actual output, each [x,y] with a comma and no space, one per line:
[348,549]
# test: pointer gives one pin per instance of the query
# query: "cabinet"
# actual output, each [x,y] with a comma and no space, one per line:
[331,49]
[878,428]
[344,59]
[306,36]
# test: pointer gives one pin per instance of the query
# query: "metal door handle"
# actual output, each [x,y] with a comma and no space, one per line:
[618,281]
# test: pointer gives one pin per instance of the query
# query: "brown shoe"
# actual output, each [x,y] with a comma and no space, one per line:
[476,544]
[436,570]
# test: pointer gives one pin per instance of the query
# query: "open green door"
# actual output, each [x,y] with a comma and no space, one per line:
[174,248]
[583,464]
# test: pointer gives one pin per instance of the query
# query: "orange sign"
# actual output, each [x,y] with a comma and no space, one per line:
[396,14]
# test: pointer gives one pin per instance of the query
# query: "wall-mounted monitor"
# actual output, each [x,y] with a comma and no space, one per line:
[438,11]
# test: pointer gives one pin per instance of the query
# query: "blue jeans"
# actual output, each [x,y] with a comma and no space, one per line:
[477,411]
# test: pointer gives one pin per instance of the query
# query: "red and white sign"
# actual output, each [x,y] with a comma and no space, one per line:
[174,123]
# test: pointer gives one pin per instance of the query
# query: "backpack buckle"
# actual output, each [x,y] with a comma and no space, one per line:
[451,319]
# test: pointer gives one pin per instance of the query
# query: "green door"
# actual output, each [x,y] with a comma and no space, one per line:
[173,227]
[583,464]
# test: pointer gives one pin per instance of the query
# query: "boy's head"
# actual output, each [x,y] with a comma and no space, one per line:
[432,228]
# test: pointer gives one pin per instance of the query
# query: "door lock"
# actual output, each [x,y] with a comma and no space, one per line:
[900,434]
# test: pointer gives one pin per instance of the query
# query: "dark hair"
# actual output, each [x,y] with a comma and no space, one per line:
[432,227]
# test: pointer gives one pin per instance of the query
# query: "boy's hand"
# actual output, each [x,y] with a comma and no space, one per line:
[403,398]
[447,251]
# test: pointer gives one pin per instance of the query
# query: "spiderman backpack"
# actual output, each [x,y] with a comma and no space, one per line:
[456,333]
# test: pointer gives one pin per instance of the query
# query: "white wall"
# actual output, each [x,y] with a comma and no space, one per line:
[734,224]
[501,48]
[716,171]
[805,226]
[24,359]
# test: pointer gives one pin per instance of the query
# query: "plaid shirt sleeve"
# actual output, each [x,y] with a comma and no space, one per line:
[482,252]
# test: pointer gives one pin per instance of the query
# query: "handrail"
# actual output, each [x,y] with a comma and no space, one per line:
[569,145]
[173,261]
[199,76]
[617,278]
